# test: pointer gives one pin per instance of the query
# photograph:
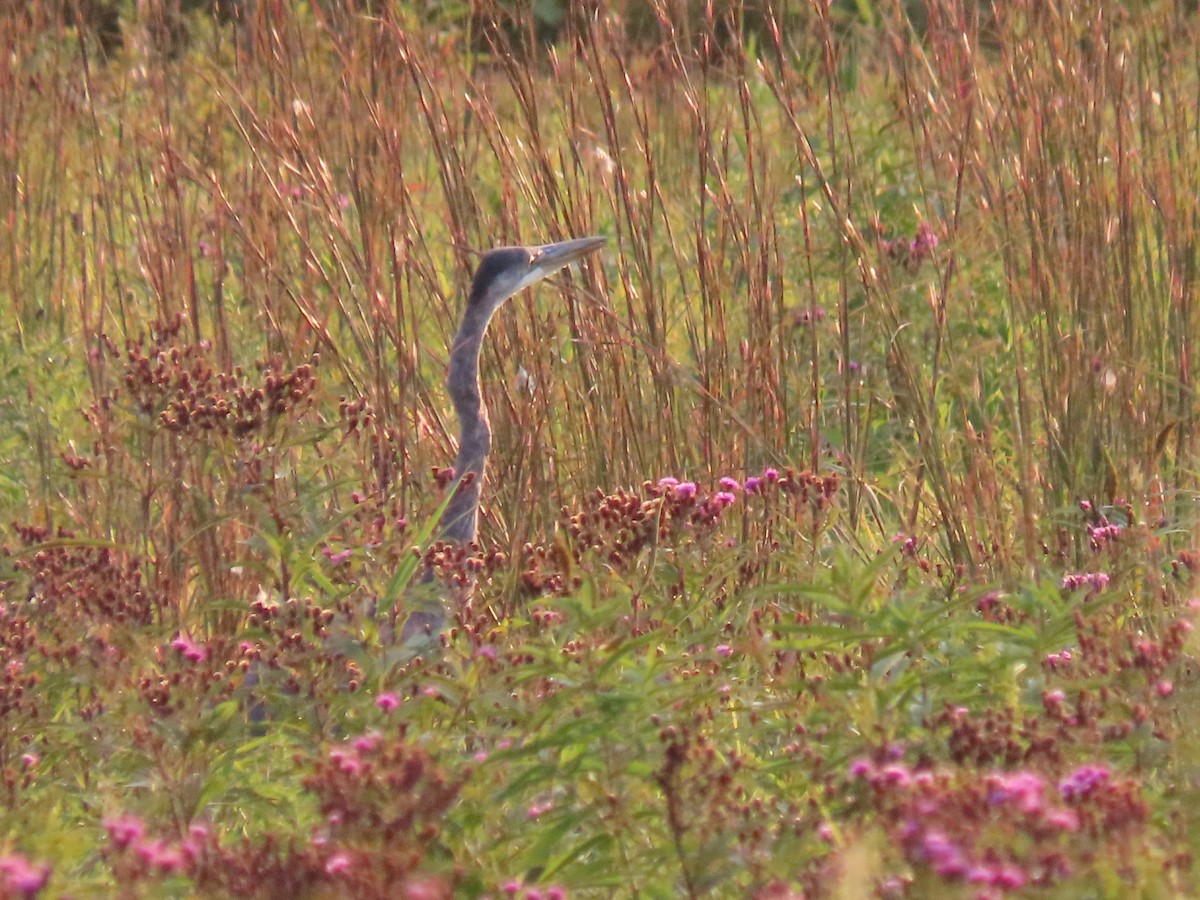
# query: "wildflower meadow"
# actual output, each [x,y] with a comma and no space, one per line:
[839,536]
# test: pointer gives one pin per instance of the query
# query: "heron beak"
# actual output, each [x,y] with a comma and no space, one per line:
[549,258]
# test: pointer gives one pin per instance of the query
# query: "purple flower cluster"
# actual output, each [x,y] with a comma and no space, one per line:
[1093,581]
[1083,781]
[1003,830]
[189,649]
[381,800]
[21,878]
[1103,533]
[127,834]
[912,252]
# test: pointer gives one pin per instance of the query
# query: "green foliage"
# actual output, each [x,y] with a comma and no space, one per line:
[837,536]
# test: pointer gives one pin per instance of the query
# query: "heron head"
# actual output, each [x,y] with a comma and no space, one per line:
[504,271]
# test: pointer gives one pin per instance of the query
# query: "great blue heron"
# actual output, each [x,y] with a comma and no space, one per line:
[501,274]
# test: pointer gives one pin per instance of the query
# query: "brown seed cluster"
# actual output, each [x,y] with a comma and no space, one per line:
[295,647]
[617,526]
[379,443]
[385,791]
[708,797]
[184,678]
[382,801]
[177,386]
[548,570]
[19,700]
[996,737]
[68,581]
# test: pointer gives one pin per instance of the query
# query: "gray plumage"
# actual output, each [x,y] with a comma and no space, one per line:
[501,274]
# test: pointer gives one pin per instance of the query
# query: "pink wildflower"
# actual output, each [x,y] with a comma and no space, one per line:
[158,854]
[21,876]
[685,490]
[861,768]
[336,558]
[1083,781]
[190,649]
[1063,819]
[124,830]
[338,864]
[1093,581]
[365,743]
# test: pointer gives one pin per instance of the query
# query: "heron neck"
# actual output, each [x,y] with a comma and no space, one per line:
[475,437]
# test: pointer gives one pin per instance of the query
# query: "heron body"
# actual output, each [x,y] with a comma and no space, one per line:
[501,274]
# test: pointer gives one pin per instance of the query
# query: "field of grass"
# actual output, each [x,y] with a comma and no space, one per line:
[839,537]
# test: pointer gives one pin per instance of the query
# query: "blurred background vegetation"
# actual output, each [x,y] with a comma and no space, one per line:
[935,264]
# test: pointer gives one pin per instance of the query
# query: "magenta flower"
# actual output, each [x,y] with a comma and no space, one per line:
[729,484]
[338,864]
[336,558]
[1063,819]
[1083,781]
[685,490]
[190,649]
[861,767]
[943,854]
[770,474]
[1053,698]
[723,499]
[896,775]
[387,701]
[348,763]
[924,242]
[366,743]
[1093,581]
[1103,534]
[753,485]
[1062,656]
[1022,788]
[21,876]
[193,844]
[124,830]
[158,854]
[537,810]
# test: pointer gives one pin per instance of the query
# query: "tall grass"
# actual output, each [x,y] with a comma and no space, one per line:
[924,272]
